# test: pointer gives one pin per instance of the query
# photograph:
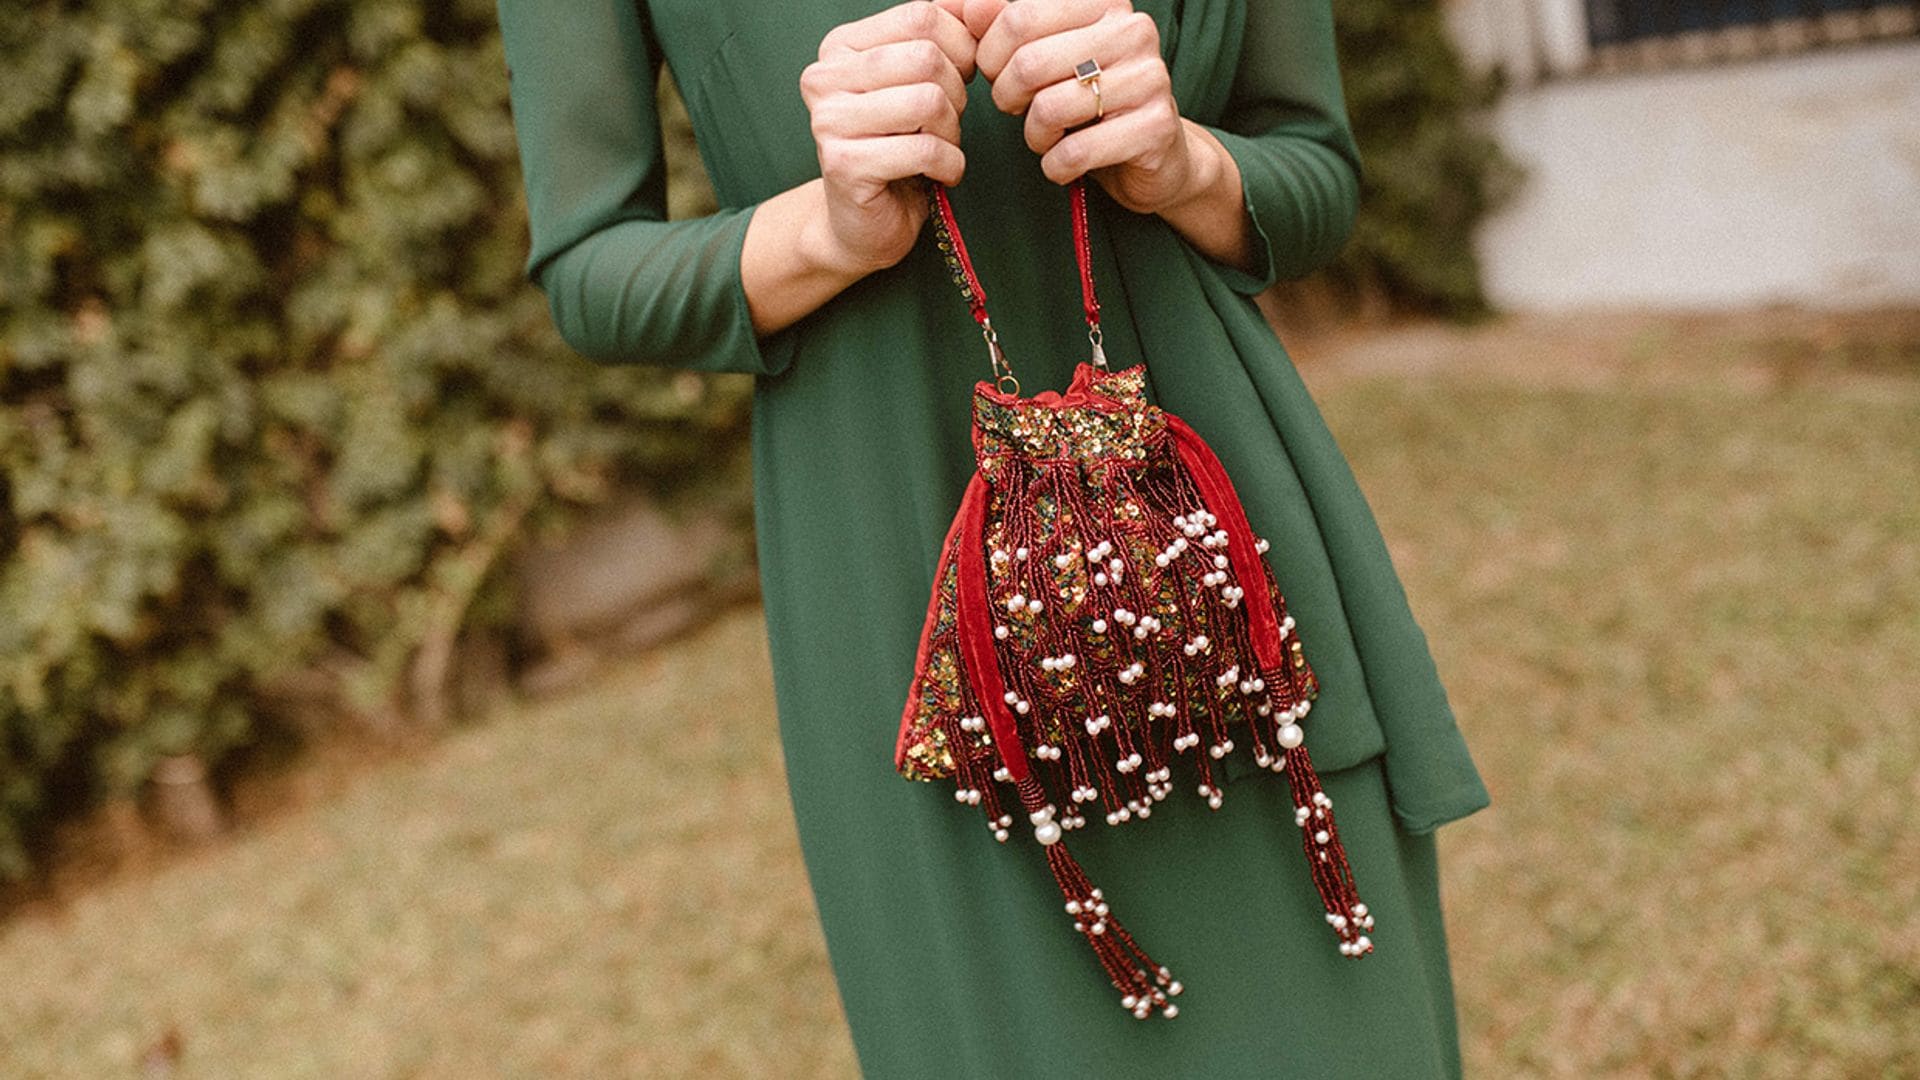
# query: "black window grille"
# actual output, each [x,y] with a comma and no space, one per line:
[1620,22]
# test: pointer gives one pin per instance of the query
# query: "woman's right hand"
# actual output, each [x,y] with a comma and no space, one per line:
[885,98]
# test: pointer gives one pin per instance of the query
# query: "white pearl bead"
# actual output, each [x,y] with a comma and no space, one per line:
[1047,832]
[1321,837]
[1099,626]
[1290,736]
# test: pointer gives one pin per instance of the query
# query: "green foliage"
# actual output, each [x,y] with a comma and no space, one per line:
[1430,172]
[274,397]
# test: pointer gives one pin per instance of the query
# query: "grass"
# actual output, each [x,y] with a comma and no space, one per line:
[1677,604]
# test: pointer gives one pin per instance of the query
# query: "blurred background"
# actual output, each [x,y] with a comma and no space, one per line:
[357,641]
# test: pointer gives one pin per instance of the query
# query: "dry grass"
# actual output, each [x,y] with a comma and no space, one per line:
[592,886]
[1678,607]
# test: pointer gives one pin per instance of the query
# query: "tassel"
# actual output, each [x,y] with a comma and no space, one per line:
[1143,985]
[1313,808]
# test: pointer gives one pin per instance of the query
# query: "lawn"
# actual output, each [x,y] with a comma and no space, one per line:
[1674,585]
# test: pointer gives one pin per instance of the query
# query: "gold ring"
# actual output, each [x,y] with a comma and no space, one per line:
[1087,74]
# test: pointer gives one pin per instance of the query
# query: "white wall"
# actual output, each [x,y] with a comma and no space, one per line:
[1793,179]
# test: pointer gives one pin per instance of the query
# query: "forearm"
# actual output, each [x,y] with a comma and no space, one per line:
[790,263]
[1212,217]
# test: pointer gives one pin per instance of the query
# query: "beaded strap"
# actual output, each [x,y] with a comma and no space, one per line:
[953,251]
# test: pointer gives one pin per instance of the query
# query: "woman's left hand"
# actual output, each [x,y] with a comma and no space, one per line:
[1140,151]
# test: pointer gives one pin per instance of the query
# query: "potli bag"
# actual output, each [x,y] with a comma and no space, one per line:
[1101,607]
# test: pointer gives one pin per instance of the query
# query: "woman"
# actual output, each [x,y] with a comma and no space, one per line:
[1222,160]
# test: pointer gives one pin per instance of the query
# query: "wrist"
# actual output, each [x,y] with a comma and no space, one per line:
[822,253]
[1209,169]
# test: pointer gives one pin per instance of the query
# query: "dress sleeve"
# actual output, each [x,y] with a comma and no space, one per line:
[625,285]
[1285,124]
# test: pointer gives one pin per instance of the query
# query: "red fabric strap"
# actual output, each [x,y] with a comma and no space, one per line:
[976,629]
[976,296]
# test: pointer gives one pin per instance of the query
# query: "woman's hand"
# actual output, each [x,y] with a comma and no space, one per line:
[1150,159]
[1139,150]
[885,98]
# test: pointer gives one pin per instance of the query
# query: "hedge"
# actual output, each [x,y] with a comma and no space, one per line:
[274,398]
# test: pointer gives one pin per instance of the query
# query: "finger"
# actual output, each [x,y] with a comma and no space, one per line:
[1050,59]
[886,158]
[979,15]
[1021,23]
[890,110]
[1119,138]
[896,63]
[1069,104]
[905,22]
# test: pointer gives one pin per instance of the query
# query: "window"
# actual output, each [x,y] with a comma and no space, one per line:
[1632,32]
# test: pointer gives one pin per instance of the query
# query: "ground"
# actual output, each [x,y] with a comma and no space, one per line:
[1671,573]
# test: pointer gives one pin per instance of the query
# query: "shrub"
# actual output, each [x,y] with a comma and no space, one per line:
[274,397]
[1431,172]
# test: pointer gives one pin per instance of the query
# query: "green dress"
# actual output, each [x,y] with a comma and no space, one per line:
[951,952]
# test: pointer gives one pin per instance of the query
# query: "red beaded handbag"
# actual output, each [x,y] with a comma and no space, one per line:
[1091,621]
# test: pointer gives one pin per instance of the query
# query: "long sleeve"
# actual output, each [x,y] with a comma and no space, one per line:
[625,285]
[1285,124]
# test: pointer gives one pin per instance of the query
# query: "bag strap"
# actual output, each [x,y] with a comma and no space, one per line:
[953,249]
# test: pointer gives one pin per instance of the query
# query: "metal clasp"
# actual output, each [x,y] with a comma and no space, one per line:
[1002,370]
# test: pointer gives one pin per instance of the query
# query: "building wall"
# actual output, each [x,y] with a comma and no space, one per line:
[1793,179]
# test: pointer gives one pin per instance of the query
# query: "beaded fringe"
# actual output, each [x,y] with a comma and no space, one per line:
[1101,608]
